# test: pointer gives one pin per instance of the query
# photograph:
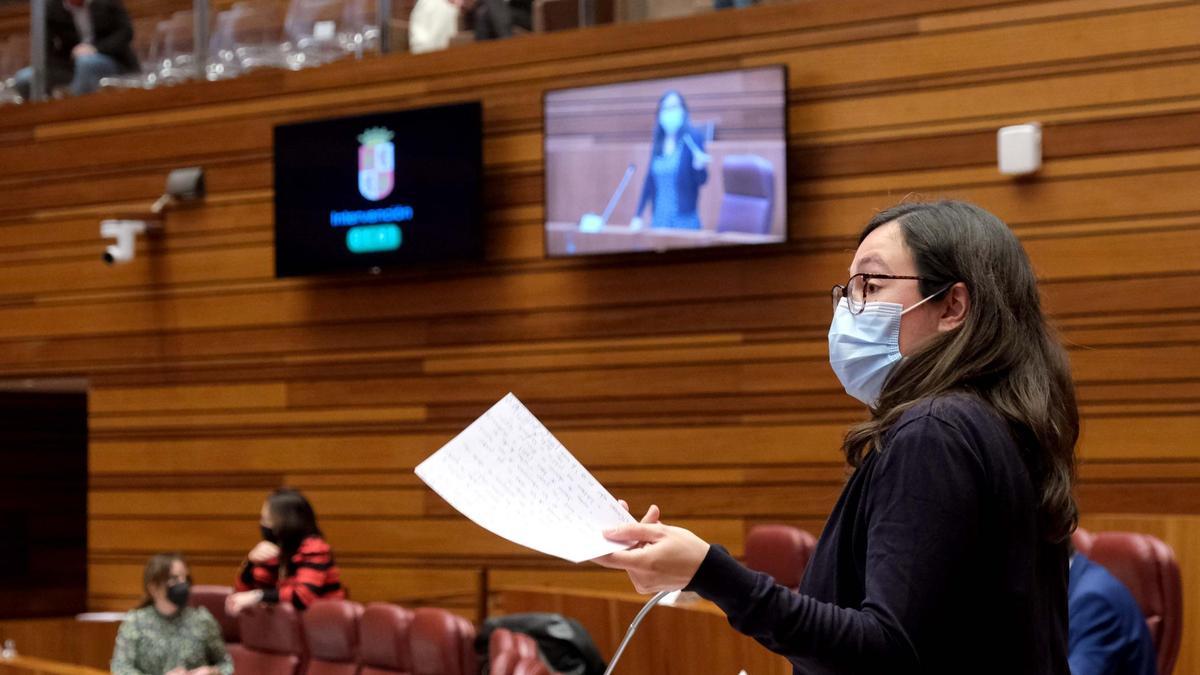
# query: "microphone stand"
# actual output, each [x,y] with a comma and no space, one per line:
[633,628]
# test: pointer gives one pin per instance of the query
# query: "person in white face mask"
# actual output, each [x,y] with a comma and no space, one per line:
[678,168]
[947,550]
[864,339]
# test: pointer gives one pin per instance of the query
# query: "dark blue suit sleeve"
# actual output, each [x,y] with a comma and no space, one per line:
[1096,635]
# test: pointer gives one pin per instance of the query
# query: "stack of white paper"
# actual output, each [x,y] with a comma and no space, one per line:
[510,475]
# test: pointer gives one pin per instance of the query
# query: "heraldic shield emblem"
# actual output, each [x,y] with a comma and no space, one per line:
[376,163]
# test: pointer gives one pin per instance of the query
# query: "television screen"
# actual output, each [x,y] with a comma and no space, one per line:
[680,162]
[378,191]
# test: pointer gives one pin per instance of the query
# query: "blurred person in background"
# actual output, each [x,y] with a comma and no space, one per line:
[86,40]
[495,19]
[432,24]
[164,636]
[292,564]
[1107,630]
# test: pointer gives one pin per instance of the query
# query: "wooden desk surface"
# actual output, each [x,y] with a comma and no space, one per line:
[62,640]
[29,665]
[672,640]
[567,238]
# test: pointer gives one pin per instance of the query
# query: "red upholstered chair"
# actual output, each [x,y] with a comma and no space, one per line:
[1148,568]
[272,641]
[531,666]
[331,633]
[383,642]
[466,636]
[212,598]
[441,643]
[503,662]
[782,551]
[502,652]
[508,650]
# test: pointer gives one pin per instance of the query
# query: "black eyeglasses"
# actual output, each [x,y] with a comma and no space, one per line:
[855,290]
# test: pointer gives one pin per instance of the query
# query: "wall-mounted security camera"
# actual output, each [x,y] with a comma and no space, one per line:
[183,185]
[126,233]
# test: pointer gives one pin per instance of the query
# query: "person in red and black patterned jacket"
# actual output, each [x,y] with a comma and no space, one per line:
[293,563]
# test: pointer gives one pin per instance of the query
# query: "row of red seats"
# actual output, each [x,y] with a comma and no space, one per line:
[512,653]
[340,637]
[343,638]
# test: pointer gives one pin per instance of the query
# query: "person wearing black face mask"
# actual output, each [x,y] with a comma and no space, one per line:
[292,564]
[164,636]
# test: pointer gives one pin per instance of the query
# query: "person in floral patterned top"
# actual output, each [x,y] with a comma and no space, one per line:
[164,636]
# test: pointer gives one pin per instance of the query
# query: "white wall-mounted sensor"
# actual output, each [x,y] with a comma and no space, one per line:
[1019,149]
[126,233]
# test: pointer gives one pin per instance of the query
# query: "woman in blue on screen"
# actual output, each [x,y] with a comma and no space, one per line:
[678,167]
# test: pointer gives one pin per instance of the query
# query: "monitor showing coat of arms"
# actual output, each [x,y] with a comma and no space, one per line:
[681,162]
[378,191]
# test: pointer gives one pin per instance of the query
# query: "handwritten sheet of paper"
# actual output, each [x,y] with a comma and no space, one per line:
[510,475]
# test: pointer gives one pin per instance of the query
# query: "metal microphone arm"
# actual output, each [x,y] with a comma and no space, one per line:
[633,628]
[612,203]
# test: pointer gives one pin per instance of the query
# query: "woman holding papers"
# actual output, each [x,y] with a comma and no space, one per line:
[947,551]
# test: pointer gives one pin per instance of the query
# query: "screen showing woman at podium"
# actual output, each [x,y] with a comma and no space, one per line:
[681,162]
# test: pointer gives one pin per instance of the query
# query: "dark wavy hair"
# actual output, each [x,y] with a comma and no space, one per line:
[1004,352]
[295,521]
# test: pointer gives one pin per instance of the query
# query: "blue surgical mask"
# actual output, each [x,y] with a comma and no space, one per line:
[863,348]
[671,119]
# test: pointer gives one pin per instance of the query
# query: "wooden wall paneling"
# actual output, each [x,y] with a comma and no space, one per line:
[696,381]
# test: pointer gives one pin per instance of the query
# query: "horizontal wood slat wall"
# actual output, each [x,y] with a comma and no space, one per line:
[695,381]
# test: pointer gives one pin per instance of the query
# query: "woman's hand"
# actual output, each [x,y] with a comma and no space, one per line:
[236,602]
[700,158]
[652,513]
[665,558]
[263,551]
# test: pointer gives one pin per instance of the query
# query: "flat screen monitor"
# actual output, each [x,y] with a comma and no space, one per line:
[379,191]
[680,162]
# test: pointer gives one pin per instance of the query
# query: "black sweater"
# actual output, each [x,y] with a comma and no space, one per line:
[931,562]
